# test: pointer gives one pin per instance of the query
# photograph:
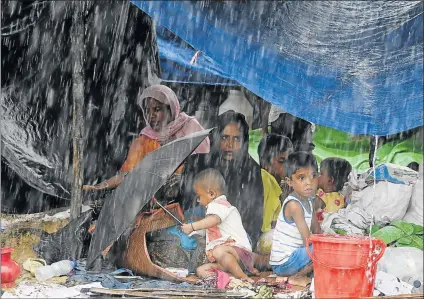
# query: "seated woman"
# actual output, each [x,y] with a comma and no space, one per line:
[229,154]
[273,150]
[165,122]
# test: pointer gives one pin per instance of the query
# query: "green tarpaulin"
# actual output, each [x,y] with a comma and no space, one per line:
[333,143]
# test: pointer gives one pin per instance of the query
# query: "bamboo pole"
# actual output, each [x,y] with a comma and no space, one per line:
[77,52]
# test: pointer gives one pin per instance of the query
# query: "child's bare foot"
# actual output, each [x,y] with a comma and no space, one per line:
[301,281]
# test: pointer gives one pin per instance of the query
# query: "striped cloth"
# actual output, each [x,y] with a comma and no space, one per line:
[287,238]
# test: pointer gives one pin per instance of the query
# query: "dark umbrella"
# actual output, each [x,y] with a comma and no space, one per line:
[121,208]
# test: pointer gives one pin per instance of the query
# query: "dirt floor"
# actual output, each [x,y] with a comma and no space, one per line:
[22,232]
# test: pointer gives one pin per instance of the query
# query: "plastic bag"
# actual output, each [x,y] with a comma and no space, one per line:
[58,246]
[415,213]
[393,173]
[389,285]
[406,263]
[265,242]
[389,203]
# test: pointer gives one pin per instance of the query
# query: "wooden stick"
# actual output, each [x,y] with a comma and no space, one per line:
[77,54]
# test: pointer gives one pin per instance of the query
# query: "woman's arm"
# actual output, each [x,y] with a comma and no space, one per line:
[207,222]
[111,183]
[136,152]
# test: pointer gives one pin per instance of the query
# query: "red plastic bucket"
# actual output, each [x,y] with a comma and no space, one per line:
[344,266]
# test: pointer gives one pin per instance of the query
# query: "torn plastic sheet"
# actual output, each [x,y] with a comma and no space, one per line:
[37,290]
[36,107]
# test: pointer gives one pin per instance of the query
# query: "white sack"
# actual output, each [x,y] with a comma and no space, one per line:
[414,212]
[353,220]
[390,203]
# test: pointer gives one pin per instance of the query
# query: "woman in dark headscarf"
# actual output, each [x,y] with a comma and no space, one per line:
[229,154]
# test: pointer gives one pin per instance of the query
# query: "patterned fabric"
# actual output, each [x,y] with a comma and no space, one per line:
[334,201]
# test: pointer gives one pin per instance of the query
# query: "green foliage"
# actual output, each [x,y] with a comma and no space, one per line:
[401,234]
[340,231]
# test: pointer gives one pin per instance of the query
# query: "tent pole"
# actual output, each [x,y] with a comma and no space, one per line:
[77,52]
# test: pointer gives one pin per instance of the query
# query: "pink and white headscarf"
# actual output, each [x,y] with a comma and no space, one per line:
[181,125]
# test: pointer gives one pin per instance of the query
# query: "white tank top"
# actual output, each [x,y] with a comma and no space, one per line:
[286,237]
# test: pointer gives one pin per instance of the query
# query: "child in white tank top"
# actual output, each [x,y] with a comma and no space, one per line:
[296,221]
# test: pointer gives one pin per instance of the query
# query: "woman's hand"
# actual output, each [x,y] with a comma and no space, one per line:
[187,228]
[91,187]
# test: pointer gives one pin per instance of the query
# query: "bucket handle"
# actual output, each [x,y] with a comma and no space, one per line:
[378,242]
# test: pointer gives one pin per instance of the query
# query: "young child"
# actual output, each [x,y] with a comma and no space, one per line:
[227,245]
[296,221]
[334,172]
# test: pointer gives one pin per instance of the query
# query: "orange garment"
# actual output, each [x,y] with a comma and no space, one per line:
[139,148]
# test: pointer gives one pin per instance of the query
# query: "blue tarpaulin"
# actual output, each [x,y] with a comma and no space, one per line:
[175,57]
[353,66]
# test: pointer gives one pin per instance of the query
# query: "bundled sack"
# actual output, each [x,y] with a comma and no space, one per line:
[414,213]
[393,173]
[349,221]
[389,203]
[265,242]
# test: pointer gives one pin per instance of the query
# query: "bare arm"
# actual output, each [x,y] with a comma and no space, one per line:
[135,154]
[319,205]
[111,183]
[294,211]
[207,222]
[315,226]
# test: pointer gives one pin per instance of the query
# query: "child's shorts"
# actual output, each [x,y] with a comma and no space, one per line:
[298,260]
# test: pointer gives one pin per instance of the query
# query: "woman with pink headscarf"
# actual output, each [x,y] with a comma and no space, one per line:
[165,122]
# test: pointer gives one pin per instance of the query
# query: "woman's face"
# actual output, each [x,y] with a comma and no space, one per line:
[231,141]
[158,115]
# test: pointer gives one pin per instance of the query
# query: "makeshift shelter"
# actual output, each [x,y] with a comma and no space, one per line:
[359,66]
[361,81]
[368,74]
[36,98]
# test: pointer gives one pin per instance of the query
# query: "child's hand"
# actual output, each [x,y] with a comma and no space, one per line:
[187,228]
